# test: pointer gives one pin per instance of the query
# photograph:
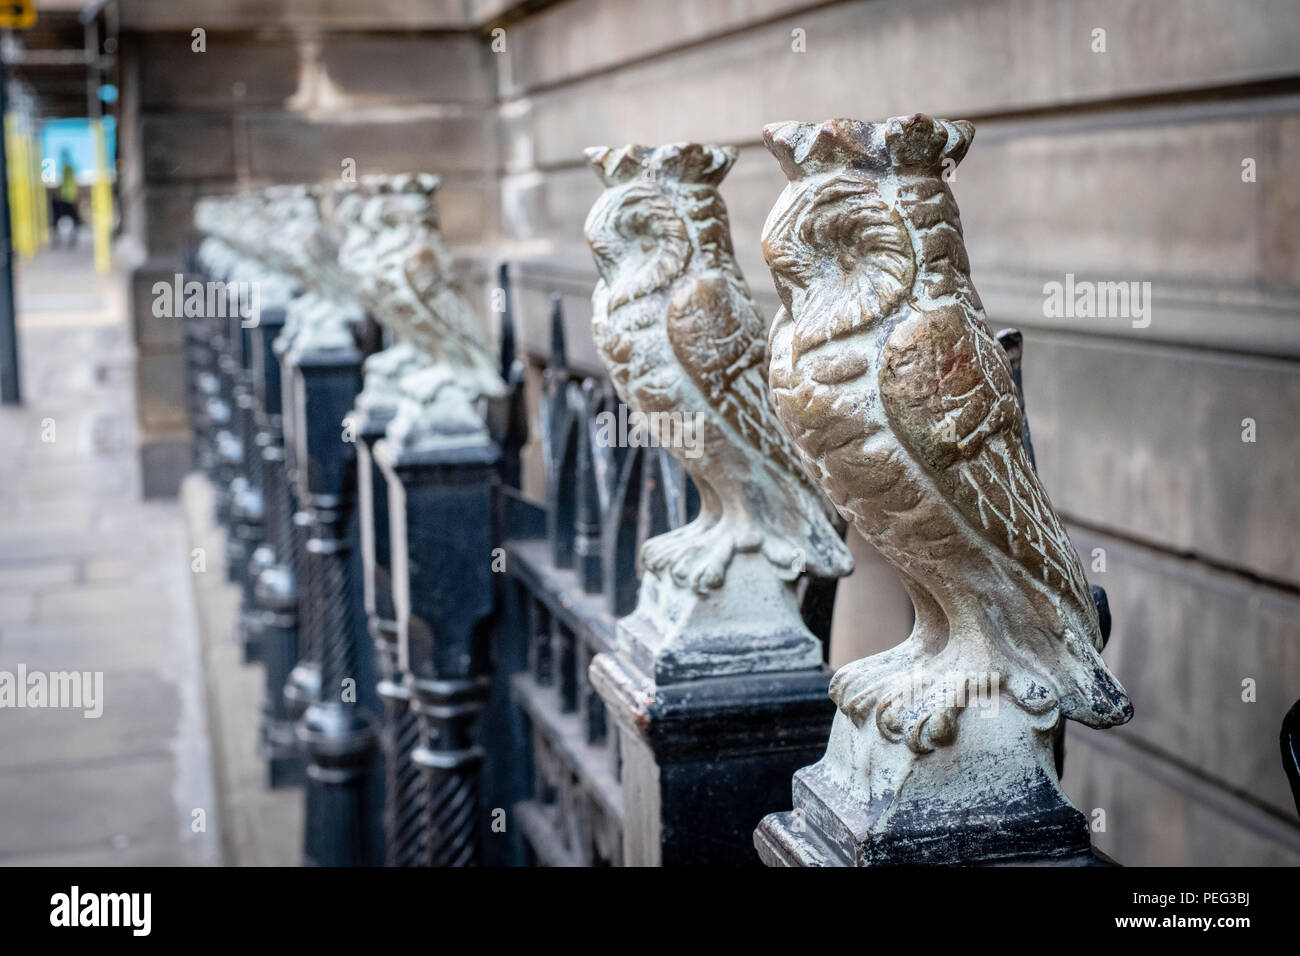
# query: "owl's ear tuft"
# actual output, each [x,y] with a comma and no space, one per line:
[960,135]
[596,157]
[724,157]
[615,166]
[781,140]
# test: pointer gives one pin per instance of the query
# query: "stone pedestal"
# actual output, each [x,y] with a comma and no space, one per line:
[440,503]
[678,634]
[979,803]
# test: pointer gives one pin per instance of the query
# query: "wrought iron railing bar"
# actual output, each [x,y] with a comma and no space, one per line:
[619,536]
[606,456]
[558,588]
[565,652]
[587,524]
[541,655]
[564,732]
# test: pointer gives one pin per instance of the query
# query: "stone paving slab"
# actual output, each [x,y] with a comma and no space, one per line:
[260,827]
[94,580]
[78,804]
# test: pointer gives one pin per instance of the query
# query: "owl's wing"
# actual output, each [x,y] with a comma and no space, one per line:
[425,275]
[719,339]
[454,321]
[947,389]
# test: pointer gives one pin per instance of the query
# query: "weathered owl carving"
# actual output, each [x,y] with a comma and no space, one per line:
[393,252]
[357,244]
[675,324]
[901,402]
[235,247]
[296,238]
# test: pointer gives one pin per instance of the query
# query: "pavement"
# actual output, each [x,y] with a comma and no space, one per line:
[97,582]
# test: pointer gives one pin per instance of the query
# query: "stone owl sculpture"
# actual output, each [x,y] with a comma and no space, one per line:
[899,397]
[235,247]
[297,239]
[384,370]
[392,250]
[676,326]
[901,402]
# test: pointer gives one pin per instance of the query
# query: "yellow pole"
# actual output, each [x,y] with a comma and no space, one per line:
[19,198]
[33,231]
[101,200]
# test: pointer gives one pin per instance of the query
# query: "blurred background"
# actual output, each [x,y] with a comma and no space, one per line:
[1117,142]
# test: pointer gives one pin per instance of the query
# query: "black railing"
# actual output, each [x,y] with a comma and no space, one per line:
[468,616]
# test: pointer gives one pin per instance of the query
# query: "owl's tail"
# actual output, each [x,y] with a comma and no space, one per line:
[1067,657]
[812,538]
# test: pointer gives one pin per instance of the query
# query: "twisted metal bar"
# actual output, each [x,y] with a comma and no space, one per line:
[405,810]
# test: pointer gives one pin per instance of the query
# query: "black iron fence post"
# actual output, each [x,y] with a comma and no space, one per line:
[228,439]
[441,506]
[336,731]
[275,591]
[246,497]
[197,358]
[405,822]
[302,685]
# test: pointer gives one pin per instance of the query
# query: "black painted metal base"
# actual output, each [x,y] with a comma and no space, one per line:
[250,635]
[786,839]
[285,766]
[440,502]
[1025,821]
[278,652]
[340,742]
[692,748]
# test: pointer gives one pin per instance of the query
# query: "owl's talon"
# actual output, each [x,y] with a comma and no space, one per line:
[661,551]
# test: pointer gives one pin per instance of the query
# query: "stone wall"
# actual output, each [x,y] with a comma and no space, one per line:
[284,92]
[1117,166]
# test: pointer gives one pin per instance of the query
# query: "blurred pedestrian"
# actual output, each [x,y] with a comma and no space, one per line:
[65,199]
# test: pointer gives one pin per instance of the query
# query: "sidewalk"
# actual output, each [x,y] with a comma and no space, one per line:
[93,579]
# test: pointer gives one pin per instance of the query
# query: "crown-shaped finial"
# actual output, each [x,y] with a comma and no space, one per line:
[397,184]
[410,196]
[675,163]
[900,143]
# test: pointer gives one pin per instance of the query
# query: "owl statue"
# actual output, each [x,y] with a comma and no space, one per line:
[901,402]
[358,246]
[393,252]
[295,235]
[685,346]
